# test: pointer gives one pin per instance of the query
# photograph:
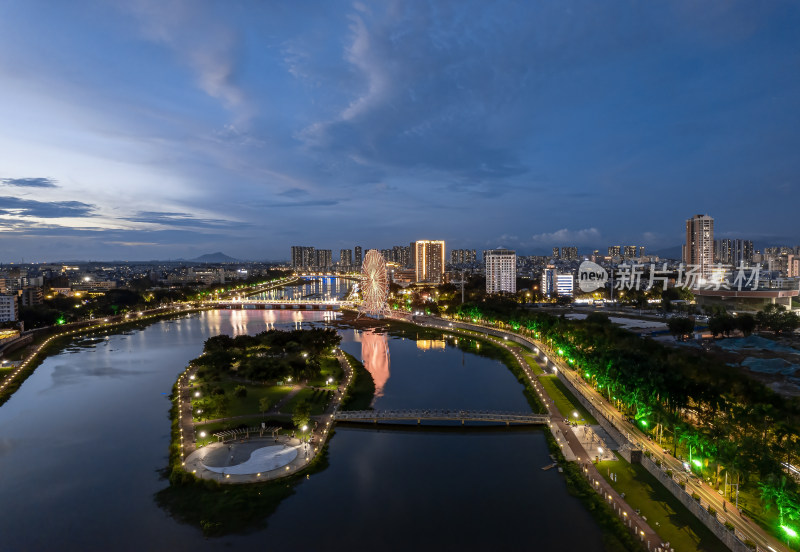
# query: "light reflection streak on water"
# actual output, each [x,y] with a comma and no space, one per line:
[375,355]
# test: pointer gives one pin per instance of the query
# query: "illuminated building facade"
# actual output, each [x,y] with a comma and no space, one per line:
[501,270]
[428,260]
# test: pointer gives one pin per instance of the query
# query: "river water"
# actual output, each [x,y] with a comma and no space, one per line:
[83,440]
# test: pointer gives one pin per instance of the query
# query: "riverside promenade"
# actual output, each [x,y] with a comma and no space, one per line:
[559,426]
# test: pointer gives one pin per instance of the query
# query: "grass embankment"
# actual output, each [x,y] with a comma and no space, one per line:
[664,513]
[565,401]
[222,509]
[616,536]
[361,390]
[535,368]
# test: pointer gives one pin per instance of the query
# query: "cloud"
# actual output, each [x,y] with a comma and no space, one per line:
[421,99]
[44,209]
[202,40]
[132,243]
[176,219]
[293,192]
[568,237]
[30,182]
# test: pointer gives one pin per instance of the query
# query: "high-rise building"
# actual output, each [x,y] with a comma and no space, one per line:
[501,270]
[548,281]
[429,260]
[357,260]
[324,258]
[8,308]
[346,257]
[303,257]
[615,251]
[555,282]
[565,284]
[569,253]
[462,256]
[793,266]
[699,249]
[733,252]
[555,253]
[629,252]
[641,251]
[401,255]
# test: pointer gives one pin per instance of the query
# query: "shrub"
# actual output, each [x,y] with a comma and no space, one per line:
[240,391]
[729,526]
[669,473]
[712,510]
[696,497]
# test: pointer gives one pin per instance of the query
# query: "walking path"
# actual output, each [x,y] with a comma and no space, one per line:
[571,446]
[744,528]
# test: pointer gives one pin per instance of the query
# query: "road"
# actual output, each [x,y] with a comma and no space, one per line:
[744,527]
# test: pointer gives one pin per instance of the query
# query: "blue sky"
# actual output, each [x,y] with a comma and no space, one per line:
[146,129]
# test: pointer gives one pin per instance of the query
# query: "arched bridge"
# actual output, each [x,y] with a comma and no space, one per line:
[492,416]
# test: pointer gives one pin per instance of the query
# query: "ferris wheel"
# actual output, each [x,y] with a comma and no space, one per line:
[374,284]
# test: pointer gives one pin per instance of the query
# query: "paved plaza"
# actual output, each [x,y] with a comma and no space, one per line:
[249,460]
[594,444]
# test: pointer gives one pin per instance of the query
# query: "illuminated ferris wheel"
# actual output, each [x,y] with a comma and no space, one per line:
[374,285]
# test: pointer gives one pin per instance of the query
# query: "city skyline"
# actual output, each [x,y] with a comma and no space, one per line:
[165,130]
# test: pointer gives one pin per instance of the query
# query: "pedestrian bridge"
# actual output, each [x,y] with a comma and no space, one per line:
[491,416]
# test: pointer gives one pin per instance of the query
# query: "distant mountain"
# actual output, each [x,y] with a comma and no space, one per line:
[217,257]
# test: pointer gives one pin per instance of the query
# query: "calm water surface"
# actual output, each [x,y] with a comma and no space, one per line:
[84,438]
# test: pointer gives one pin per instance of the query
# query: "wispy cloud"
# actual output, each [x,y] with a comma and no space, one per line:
[177,219]
[29,182]
[202,40]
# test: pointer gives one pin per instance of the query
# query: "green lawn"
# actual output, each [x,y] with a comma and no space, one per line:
[240,406]
[664,513]
[329,368]
[534,365]
[566,403]
[317,400]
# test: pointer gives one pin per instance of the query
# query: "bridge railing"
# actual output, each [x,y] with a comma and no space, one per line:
[431,414]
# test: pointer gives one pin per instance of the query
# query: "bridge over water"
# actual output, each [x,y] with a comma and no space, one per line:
[490,416]
[279,304]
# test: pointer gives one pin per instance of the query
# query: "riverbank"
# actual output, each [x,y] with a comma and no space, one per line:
[54,340]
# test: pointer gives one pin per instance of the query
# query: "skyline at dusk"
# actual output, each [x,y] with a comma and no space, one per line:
[163,130]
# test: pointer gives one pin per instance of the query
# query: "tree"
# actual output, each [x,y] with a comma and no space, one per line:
[680,326]
[240,391]
[776,493]
[746,323]
[302,414]
[263,404]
